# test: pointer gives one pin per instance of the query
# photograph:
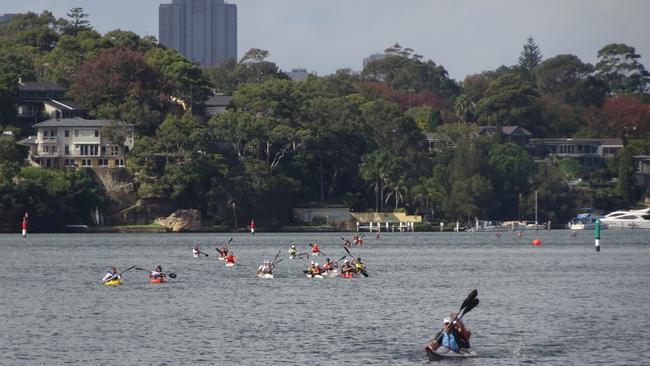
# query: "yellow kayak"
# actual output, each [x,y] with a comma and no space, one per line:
[115,282]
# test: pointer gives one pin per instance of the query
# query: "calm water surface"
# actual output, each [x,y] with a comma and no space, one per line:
[558,304]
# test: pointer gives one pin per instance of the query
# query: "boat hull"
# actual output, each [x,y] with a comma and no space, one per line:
[443,353]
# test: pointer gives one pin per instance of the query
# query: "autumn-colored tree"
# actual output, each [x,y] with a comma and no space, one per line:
[116,76]
[627,117]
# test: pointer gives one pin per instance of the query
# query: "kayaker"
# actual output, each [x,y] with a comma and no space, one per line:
[447,336]
[315,249]
[328,266]
[230,258]
[347,243]
[266,267]
[358,264]
[317,269]
[460,330]
[111,275]
[157,273]
[346,267]
[293,251]
[196,250]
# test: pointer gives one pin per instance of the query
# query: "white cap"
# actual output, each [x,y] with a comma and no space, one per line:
[316,264]
[447,320]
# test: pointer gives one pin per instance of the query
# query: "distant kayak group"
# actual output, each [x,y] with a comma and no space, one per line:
[156,276]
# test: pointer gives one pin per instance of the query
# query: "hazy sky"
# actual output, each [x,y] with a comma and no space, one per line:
[465,36]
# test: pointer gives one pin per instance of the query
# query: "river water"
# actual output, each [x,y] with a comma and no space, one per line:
[558,304]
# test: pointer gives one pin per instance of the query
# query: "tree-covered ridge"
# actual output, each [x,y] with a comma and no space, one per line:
[400,135]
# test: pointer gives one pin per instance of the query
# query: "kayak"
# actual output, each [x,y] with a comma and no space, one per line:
[347,275]
[195,255]
[331,273]
[315,253]
[230,264]
[265,275]
[115,282]
[157,280]
[222,258]
[445,353]
[314,276]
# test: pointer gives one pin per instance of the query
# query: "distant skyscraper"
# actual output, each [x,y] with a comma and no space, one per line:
[5,18]
[204,31]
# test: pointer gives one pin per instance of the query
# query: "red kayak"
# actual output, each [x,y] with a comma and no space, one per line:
[347,275]
[157,280]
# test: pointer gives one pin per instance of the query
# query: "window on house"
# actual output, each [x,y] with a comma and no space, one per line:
[66,133]
[96,133]
[76,133]
[102,162]
[103,150]
[86,162]
[126,149]
[45,132]
[119,162]
[66,149]
[53,149]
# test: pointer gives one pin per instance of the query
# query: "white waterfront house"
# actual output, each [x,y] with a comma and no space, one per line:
[79,142]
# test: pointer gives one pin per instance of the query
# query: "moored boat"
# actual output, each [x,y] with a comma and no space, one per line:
[632,219]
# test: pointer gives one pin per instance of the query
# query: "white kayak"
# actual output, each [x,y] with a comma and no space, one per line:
[264,275]
[331,273]
[315,253]
[444,353]
[195,255]
[230,264]
[314,276]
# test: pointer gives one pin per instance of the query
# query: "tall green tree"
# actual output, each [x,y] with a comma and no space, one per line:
[8,92]
[568,79]
[77,21]
[531,56]
[619,67]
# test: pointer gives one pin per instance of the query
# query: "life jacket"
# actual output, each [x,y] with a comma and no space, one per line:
[315,249]
[328,266]
[359,266]
[449,341]
[230,259]
[156,274]
[292,251]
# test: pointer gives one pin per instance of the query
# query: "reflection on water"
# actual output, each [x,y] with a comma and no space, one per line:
[538,304]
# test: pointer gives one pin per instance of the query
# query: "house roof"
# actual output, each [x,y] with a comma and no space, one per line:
[39,86]
[31,140]
[79,122]
[69,105]
[617,141]
[564,140]
[505,130]
[219,100]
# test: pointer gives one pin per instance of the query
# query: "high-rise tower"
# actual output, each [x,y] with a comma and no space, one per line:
[204,31]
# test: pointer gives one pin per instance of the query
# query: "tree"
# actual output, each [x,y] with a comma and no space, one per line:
[40,32]
[118,78]
[401,70]
[8,92]
[619,67]
[625,186]
[510,99]
[77,22]
[567,78]
[530,57]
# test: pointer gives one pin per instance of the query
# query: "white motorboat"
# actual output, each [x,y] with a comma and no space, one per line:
[585,221]
[632,219]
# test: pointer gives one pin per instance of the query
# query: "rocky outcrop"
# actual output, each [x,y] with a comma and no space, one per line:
[182,220]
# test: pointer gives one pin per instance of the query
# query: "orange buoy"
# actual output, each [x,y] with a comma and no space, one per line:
[537,242]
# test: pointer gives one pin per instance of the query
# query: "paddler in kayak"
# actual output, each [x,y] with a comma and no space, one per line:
[313,269]
[157,273]
[453,336]
[293,251]
[328,265]
[347,268]
[111,275]
[223,253]
[358,265]
[315,250]
[196,250]
[230,258]
[265,268]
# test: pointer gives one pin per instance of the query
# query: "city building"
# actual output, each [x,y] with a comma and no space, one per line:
[79,142]
[5,18]
[373,57]
[204,31]
[299,74]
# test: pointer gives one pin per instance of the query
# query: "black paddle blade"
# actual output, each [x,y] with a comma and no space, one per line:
[364,273]
[468,300]
[172,275]
[470,307]
[229,241]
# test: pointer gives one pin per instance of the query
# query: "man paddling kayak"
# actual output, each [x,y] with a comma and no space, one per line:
[112,275]
[293,251]
[454,334]
[196,251]
[315,250]
[157,273]
[328,265]
[347,268]
[265,268]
